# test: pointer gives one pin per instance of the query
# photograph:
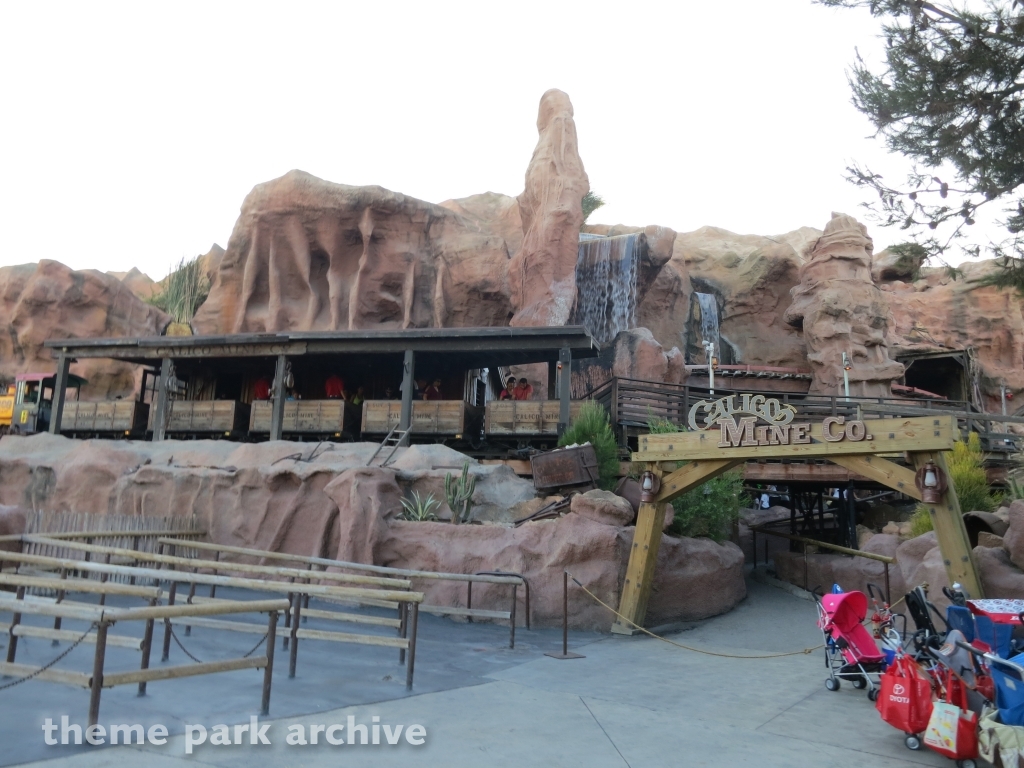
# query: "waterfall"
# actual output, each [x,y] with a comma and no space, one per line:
[708,306]
[606,275]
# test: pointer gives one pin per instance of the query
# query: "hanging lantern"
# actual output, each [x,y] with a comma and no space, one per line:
[931,482]
[650,484]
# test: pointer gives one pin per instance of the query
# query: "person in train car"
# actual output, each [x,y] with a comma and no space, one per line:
[524,391]
[421,387]
[389,393]
[261,389]
[334,387]
[509,392]
[433,392]
[359,396]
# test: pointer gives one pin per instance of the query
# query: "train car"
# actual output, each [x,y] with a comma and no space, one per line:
[33,400]
[205,418]
[109,418]
[307,418]
[6,409]
[525,418]
[435,418]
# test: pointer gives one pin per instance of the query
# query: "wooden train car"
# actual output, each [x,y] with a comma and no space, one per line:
[307,417]
[205,417]
[525,417]
[110,417]
[455,418]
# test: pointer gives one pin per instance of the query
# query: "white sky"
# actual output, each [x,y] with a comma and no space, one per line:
[130,133]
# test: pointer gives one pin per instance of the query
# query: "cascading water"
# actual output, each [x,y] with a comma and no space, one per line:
[709,320]
[606,276]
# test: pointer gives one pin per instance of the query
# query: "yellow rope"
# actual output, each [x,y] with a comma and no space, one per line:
[687,647]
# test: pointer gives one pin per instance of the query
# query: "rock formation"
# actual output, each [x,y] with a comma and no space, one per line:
[331,504]
[306,254]
[840,309]
[48,300]
[542,276]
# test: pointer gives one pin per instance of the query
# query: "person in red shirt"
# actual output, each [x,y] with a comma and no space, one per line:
[261,389]
[509,392]
[524,391]
[433,392]
[334,387]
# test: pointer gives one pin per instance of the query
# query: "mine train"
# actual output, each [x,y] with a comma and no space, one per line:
[497,425]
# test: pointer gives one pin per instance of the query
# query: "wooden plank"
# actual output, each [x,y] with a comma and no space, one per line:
[80,585]
[319,590]
[797,473]
[80,679]
[39,608]
[354,618]
[227,626]
[192,562]
[184,609]
[882,471]
[71,635]
[349,637]
[185,670]
[948,521]
[480,613]
[936,433]
[693,474]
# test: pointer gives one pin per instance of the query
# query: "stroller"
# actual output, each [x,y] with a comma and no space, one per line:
[850,650]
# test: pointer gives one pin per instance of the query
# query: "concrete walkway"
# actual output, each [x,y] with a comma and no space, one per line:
[631,702]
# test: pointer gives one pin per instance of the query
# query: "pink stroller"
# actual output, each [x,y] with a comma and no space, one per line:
[850,650]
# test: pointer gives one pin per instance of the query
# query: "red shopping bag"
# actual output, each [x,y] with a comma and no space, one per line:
[905,696]
[953,729]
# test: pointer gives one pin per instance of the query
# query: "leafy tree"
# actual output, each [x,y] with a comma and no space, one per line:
[591,426]
[949,98]
[591,202]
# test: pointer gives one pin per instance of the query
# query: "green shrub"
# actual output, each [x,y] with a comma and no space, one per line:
[183,290]
[591,426]
[420,509]
[967,472]
[710,509]
[920,521]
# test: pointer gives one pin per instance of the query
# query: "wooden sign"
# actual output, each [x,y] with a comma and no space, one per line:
[766,428]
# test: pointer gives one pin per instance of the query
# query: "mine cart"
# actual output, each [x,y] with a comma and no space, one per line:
[205,418]
[33,400]
[573,468]
[109,418]
[525,417]
[328,418]
[455,418]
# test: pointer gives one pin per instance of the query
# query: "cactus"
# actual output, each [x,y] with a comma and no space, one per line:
[460,494]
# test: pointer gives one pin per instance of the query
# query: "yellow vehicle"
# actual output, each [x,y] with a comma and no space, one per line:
[6,409]
[33,396]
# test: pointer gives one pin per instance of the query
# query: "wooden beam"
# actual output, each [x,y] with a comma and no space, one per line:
[882,471]
[936,433]
[948,521]
[112,679]
[693,474]
[797,473]
[80,679]
[350,637]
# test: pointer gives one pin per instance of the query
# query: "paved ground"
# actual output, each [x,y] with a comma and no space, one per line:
[631,702]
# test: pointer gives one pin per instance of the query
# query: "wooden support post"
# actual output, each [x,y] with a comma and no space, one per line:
[293,651]
[60,391]
[268,671]
[950,530]
[97,672]
[564,388]
[552,380]
[277,406]
[408,388]
[414,611]
[167,622]
[163,401]
[643,555]
[147,646]
[12,644]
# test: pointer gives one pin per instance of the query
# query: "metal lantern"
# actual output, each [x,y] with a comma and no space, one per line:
[650,484]
[931,482]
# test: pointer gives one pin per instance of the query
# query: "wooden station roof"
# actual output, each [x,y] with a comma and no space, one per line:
[462,347]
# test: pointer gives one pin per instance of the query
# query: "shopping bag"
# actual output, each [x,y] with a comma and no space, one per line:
[1000,744]
[952,728]
[905,696]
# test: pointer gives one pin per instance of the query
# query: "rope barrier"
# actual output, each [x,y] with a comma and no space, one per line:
[805,651]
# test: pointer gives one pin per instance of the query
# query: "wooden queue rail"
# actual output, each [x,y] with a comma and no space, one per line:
[180,534]
[884,559]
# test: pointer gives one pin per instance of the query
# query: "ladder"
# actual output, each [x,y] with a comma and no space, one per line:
[394,440]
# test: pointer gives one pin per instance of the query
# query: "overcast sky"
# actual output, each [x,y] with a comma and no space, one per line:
[132,132]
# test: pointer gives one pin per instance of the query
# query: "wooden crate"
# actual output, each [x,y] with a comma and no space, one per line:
[303,416]
[206,416]
[429,417]
[526,417]
[115,416]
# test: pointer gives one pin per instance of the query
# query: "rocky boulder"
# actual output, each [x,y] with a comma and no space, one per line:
[1013,538]
[603,507]
[48,300]
[13,522]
